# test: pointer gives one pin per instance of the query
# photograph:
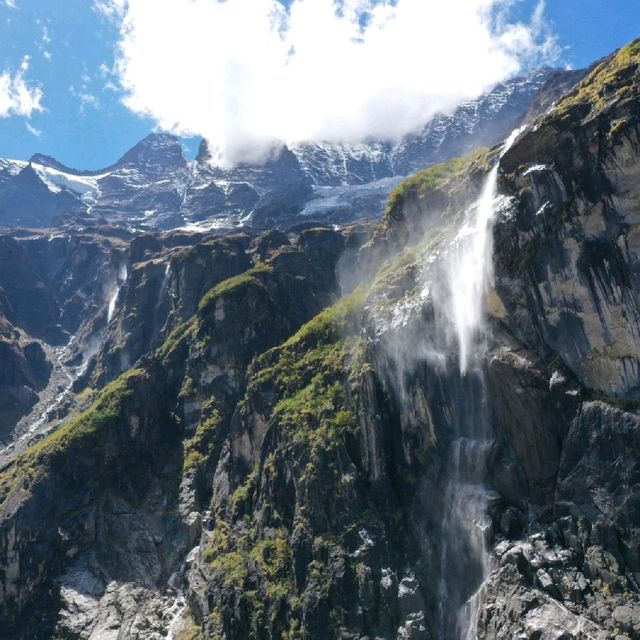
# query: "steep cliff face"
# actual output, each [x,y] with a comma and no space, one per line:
[440,443]
[54,293]
[177,406]
[113,526]
[569,258]
[335,510]
[24,371]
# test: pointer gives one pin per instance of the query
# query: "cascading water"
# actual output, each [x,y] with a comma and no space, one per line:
[162,292]
[113,300]
[458,293]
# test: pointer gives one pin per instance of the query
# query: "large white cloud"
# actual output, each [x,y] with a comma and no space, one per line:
[17,98]
[244,73]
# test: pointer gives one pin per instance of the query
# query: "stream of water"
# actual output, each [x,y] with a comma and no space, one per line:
[459,295]
[162,292]
[113,300]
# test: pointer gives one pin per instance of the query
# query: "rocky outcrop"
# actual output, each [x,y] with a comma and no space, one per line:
[165,287]
[567,267]
[112,528]
[54,291]
[355,407]
[24,370]
[105,564]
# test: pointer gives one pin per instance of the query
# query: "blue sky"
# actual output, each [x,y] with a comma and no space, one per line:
[590,29]
[67,51]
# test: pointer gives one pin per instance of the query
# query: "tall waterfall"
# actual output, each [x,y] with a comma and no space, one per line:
[468,271]
[459,290]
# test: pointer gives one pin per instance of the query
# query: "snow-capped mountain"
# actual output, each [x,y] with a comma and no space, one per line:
[479,122]
[154,186]
[151,186]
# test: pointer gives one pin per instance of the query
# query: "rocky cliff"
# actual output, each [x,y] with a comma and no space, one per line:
[422,429]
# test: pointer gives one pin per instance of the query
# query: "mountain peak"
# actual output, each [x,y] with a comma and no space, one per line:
[158,151]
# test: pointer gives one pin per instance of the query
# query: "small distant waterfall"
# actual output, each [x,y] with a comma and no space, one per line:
[113,300]
[462,279]
[162,292]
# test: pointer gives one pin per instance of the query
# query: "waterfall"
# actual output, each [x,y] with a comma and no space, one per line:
[468,270]
[162,292]
[113,300]
[462,279]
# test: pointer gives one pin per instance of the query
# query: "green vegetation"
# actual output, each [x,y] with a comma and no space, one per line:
[317,412]
[428,180]
[610,81]
[188,388]
[391,280]
[330,324]
[103,414]
[631,52]
[304,370]
[187,332]
[181,335]
[200,447]
[259,572]
[231,285]
[189,630]
[307,380]
[618,127]
[241,496]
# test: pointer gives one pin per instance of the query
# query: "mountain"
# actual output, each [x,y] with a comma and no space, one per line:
[424,426]
[477,123]
[153,186]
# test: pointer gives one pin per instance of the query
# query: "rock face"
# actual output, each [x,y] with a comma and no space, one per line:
[571,264]
[24,370]
[53,290]
[424,429]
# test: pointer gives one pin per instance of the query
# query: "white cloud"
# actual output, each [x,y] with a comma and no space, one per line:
[85,97]
[17,98]
[110,8]
[32,130]
[245,73]
[11,4]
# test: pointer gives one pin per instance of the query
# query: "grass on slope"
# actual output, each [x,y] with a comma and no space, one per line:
[609,81]
[427,180]
[31,465]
